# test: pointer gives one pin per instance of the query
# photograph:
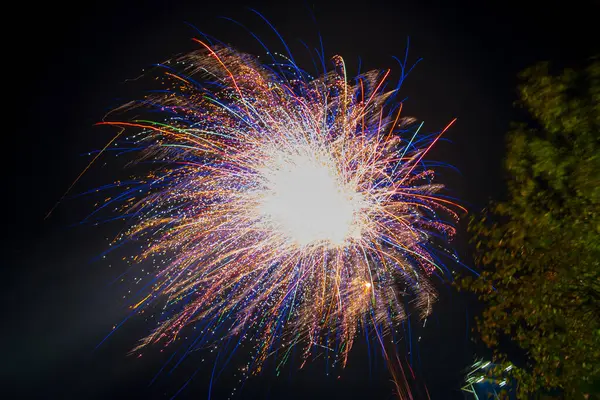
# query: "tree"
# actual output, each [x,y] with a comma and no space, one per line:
[539,250]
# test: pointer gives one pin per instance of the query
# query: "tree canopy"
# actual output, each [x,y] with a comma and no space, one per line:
[539,249]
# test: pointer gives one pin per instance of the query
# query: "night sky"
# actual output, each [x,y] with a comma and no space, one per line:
[67,66]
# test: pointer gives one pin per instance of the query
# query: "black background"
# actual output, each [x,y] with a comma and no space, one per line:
[66,64]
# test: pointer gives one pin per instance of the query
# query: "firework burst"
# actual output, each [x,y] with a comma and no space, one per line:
[290,210]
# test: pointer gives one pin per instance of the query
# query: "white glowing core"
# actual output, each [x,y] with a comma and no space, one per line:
[308,201]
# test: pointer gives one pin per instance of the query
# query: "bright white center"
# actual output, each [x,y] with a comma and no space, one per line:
[306,199]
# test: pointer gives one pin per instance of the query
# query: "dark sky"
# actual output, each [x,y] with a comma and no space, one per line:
[68,64]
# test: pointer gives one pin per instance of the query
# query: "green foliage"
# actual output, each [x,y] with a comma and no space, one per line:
[539,250]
